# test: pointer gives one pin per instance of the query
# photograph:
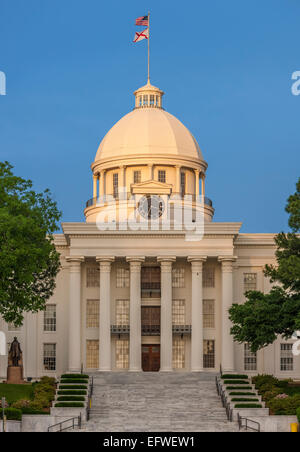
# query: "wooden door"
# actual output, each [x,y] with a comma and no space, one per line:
[151,358]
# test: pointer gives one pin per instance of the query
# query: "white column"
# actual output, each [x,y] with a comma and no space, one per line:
[197,187]
[227,294]
[203,184]
[102,183]
[104,313]
[135,342]
[166,336]
[95,180]
[197,313]
[74,313]
[177,179]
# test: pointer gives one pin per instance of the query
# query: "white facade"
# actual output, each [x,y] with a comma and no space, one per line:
[134,300]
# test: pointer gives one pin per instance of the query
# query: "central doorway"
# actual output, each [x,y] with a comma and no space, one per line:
[150,358]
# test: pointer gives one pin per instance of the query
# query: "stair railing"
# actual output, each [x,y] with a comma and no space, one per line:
[62,427]
[255,427]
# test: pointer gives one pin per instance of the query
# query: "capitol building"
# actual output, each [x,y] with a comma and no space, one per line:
[147,280]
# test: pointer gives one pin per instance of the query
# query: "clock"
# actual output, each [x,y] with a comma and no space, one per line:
[151,207]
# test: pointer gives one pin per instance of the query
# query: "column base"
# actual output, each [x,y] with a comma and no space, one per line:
[166,369]
[228,371]
[74,371]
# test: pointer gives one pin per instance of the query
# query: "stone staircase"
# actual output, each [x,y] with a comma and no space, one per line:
[156,402]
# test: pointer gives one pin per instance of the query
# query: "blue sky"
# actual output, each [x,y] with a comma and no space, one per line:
[226,67]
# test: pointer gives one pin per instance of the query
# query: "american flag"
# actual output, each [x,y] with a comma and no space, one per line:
[142,21]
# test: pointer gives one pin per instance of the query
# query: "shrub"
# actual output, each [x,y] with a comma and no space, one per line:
[242,393]
[236,382]
[32,411]
[71,398]
[234,376]
[71,404]
[71,392]
[248,405]
[268,395]
[12,414]
[71,380]
[74,376]
[298,414]
[287,406]
[244,400]
[72,387]
[261,380]
[20,404]
[238,387]
[47,381]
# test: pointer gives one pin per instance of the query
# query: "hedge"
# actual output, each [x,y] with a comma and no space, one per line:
[72,387]
[32,411]
[70,380]
[248,405]
[71,404]
[71,398]
[71,392]
[236,382]
[238,387]
[80,376]
[298,414]
[243,393]
[244,400]
[234,376]
[12,414]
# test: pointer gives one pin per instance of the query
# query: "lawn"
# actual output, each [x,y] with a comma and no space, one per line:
[12,393]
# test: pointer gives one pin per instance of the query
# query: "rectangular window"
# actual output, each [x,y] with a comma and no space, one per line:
[286,357]
[150,282]
[92,277]
[92,354]
[162,176]
[122,277]
[208,314]
[208,276]
[116,185]
[178,353]
[49,356]
[178,277]
[178,312]
[122,312]
[250,281]
[209,354]
[250,358]
[137,177]
[50,318]
[92,313]
[122,354]
[182,183]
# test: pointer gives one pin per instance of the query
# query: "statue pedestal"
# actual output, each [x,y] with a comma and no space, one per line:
[15,374]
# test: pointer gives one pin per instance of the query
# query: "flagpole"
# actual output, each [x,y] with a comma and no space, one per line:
[148,46]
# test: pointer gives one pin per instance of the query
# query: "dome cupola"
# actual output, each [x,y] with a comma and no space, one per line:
[148,96]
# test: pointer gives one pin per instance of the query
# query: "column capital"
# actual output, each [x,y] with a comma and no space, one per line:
[166,263]
[227,262]
[105,263]
[135,263]
[75,261]
[196,263]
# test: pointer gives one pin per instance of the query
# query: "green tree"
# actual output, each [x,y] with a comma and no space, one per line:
[29,262]
[264,316]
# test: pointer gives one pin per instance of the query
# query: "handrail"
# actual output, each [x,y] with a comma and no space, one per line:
[60,424]
[240,423]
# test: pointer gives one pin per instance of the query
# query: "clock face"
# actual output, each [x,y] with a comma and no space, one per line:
[151,207]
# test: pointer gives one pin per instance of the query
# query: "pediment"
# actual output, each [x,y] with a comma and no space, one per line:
[151,187]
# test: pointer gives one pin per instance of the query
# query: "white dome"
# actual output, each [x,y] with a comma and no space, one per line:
[148,131]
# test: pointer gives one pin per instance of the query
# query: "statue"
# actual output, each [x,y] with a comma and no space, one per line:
[15,363]
[15,353]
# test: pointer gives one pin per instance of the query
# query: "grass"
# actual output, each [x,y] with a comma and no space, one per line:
[12,393]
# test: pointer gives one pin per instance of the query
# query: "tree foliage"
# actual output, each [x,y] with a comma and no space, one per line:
[264,316]
[29,262]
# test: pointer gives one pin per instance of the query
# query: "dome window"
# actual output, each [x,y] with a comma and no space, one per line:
[182,183]
[116,185]
[137,177]
[162,176]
